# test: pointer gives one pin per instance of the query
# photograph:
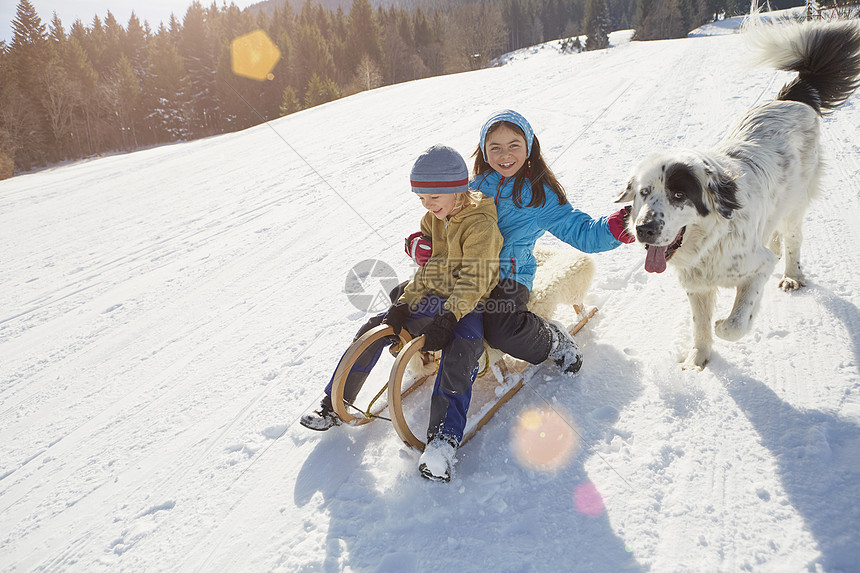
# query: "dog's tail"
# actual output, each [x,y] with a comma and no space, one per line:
[826,56]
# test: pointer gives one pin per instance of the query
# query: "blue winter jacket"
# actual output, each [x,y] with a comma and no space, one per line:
[521,227]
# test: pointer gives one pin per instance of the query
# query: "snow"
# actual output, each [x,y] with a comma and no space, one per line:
[166,317]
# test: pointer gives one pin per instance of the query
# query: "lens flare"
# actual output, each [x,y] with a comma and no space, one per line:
[587,500]
[254,56]
[542,440]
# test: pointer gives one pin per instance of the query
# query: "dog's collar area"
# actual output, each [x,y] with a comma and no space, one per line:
[676,244]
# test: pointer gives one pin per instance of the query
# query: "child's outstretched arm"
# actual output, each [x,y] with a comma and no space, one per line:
[580,230]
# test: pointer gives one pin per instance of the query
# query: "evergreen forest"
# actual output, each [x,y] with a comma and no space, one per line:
[82,89]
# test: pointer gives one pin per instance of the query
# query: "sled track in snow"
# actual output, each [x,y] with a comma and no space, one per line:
[100,275]
[114,273]
[130,411]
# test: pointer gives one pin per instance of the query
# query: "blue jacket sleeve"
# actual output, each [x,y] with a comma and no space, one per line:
[577,228]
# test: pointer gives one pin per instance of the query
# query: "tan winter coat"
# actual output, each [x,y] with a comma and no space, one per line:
[464,266]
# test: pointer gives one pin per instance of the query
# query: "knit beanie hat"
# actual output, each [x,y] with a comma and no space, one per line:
[511,116]
[440,170]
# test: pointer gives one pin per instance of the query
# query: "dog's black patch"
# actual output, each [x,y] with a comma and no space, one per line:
[724,191]
[682,185]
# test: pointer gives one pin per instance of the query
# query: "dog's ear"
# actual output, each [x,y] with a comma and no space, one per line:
[626,195]
[723,190]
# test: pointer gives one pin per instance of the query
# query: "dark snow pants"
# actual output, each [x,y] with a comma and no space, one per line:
[458,366]
[509,326]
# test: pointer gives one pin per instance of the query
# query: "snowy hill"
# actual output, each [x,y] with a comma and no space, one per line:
[166,316]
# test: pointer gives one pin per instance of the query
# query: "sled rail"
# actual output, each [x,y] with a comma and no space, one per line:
[339,379]
[395,382]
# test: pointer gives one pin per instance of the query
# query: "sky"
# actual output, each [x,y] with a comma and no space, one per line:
[154,11]
[167,316]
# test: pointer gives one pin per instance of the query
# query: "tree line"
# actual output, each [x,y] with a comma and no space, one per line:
[104,86]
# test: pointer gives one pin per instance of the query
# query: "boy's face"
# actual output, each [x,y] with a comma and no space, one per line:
[506,150]
[440,205]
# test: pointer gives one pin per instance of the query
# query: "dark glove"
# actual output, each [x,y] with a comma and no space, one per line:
[397,316]
[438,334]
[419,248]
[618,225]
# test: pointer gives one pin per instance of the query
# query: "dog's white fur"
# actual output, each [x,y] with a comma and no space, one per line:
[741,204]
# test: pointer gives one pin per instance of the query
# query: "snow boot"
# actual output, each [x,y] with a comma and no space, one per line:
[564,351]
[438,459]
[321,419]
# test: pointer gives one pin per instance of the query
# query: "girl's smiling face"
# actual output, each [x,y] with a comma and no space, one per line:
[506,150]
[441,206]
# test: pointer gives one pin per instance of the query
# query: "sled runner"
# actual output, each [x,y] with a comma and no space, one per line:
[341,406]
[563,277]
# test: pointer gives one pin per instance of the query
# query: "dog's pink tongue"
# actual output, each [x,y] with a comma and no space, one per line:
[655,259]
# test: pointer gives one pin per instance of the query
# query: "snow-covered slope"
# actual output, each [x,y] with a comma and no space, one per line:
[166,316]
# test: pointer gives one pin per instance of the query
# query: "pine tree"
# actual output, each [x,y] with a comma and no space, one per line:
[95,45]
[199,58]
[135,50]
[168,89]
[120,96]
[135,45]
[312,57]
[514,15]
[596,25]
[8,94]
[340,48]
[114,42]
[663,19]
[58,92]
[59,97]
[315,93]
[320,91]
[55,30]
[283,20]
[174,28]
[364,38]
[29,44]
[290,102]
[284,69]
[396,45]
[85,87]
[25,119]
[428,33]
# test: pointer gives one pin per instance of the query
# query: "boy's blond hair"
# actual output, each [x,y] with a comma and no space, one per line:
[466,198]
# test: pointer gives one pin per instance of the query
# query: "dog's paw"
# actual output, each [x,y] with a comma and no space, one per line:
[789,284]
[696,360]
[730,329]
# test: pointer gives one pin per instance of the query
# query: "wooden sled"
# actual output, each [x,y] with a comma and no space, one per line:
[563,278]
[353,352]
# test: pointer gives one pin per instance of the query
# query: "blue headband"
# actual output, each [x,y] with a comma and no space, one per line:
[511,116]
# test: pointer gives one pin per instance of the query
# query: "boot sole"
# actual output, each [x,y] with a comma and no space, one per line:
[309,425]
[431,476]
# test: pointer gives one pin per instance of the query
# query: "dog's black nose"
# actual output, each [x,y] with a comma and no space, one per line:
[648,231]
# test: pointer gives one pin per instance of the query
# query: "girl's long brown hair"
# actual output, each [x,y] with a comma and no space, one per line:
[535,170]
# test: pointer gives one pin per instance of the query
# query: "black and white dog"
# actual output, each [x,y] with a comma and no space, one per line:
[722,217]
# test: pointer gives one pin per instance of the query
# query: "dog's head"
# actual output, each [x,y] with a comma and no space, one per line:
[671,191]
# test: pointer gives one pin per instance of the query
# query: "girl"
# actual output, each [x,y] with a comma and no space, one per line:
[442,301]
[530,201]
